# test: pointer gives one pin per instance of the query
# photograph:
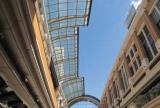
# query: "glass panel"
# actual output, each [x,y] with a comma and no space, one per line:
[135,66]
[65,51]
[145,46]
[150,39]
[134,48]
[155,16]
[73,88]
[128,59]
[124,78]
[139,60]
[158,4]
[68,9]
[131,52]
[131,71]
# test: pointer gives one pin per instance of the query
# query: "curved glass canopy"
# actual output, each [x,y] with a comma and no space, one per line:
[65,49]
[73,88]
[64,19]
[68,12]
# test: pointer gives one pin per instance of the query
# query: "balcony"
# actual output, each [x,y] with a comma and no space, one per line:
[149,97]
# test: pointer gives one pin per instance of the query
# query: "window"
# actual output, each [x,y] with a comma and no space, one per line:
[131,52]
[139,60]
[128,59]
[115,87]
[150,39]
[134,48]
[131,71]
[134,60]
[148,43]
[156,15]
[135,66]
[123,78]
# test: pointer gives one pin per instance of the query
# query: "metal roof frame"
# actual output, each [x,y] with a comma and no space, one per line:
[73,88]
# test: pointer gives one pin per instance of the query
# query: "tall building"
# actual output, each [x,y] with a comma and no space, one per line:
[134,81]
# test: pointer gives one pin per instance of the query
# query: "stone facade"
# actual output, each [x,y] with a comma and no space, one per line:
[135,77]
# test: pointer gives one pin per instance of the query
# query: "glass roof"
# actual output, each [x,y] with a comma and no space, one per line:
[68,12]
[64,18]
[73,88]
[65,49]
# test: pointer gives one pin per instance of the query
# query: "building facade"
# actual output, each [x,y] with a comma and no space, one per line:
[135,78]
[39,53]
[26,77]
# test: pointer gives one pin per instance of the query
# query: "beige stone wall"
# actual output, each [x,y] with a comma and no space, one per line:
[144,75]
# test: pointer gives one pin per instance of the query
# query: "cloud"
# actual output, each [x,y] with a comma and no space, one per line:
[136,3]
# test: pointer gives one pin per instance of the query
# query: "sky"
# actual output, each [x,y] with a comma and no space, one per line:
[100,42]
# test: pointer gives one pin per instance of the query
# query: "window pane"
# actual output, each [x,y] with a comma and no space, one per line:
[145,46]
[155,16]
[128,59]
[139,60]
[158,4]
[124,78]
[131,52]
[150,39]
[135,66]
[131,71]
[134,47]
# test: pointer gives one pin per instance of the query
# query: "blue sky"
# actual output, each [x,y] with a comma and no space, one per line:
[101,41]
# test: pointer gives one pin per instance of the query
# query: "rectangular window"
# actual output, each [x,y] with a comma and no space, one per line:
[139,60]
[148,43]
[124,77]
[131,71]
[134,48]
[131,52]
[156,15]
[135,66]
[115,87]
[128,59]
[135,61]
[151,41]
[145,46]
